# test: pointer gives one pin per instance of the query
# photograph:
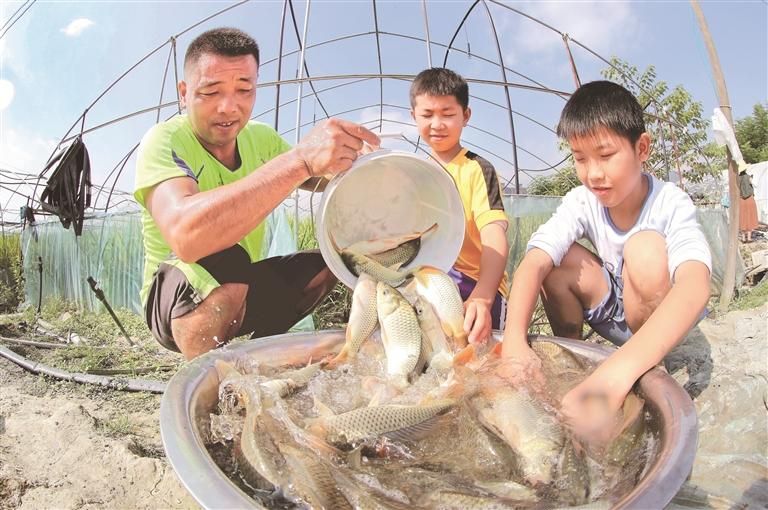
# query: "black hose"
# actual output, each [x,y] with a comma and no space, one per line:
[114,383]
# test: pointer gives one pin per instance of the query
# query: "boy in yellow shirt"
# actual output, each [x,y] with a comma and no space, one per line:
[440,107]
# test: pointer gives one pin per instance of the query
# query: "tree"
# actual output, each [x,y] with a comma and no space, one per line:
[752,135]
[674,121]
[557,184]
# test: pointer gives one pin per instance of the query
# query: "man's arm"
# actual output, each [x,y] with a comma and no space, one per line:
[196,224]
[493,261]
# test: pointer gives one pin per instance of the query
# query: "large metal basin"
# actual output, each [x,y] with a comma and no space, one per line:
[192,394]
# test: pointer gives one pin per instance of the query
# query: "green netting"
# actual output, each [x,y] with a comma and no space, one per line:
[111,251]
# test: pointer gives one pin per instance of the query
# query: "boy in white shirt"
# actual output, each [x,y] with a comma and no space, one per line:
[647,286]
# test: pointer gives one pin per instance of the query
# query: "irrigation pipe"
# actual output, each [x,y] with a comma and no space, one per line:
[39,345]
[114,383]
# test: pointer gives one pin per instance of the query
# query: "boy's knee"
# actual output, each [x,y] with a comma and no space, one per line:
[645,262]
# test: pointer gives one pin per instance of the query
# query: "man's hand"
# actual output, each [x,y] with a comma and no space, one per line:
[332,146]
[591,408]
[520,366]
[477,319]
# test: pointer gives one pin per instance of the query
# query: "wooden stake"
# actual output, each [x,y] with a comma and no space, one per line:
[729,278]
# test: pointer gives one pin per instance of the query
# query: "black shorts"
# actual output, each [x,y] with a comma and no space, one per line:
[277,297]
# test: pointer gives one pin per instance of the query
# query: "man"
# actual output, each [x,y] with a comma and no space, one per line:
[206,181]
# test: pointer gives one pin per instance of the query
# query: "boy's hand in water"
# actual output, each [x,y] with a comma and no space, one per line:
[520,366]
[591,408]
[332,146]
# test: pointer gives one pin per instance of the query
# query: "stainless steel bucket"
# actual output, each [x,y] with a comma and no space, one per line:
[192,394]
[386,194]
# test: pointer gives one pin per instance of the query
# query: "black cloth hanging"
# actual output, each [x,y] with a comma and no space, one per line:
[68,191]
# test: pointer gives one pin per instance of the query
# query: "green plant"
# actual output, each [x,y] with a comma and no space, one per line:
[11,273]
[120,425]
[753,298]
[673,120]
[752,134]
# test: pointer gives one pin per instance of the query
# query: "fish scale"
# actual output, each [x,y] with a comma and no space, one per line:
[371,422]
[363,319]
[400,332]
[441,292]
[525,426]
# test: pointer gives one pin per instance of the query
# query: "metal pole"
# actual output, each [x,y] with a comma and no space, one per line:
[574,71]
[426,30]
[298,112]
[101,297]
[381,69]
[509,100]
[280,65]
[729,278]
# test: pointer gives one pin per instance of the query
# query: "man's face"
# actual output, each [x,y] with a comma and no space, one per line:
[609,165]
[440,120]
[218,93]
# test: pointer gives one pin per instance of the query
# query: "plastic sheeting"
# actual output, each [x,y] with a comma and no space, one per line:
[111,251]
[526,213]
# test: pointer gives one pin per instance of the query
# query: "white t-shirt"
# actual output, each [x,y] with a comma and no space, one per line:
[666,210]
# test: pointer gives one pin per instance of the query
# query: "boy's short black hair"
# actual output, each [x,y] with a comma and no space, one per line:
[439,81]
[227,42]
[601,104]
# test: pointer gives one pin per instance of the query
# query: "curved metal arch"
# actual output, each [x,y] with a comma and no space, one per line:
[608,63]
[508,97]
[302,46]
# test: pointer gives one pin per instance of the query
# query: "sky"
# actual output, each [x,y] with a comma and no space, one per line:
[58,59]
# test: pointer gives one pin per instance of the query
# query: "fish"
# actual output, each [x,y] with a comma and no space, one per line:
[363,319]
[456,500]
[394,421]
[258,456]
[573,484]
[442,293]
[359,263]
[312,480]
[522,423]
[558,356]
[508,489]
[273,449]
[623,431]
[437,350]
[400,250]
[625,444]
[289,381]
[400,333]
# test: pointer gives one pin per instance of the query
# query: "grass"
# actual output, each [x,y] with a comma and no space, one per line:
[116,426]
[333,311]
[753,298]
[11,275]
[103,347]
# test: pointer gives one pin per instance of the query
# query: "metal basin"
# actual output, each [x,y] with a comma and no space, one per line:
[192,394]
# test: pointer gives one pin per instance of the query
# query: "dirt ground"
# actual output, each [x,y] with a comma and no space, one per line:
[64,445]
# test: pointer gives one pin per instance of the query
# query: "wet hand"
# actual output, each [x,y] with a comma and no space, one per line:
[477,320]
[592,408]
[520,366]
[333,145]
